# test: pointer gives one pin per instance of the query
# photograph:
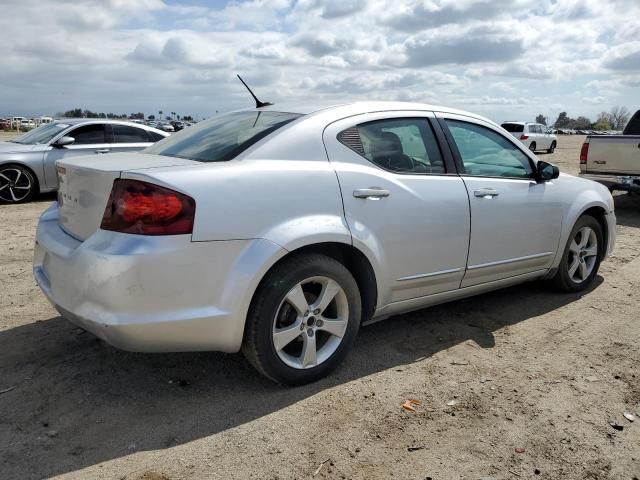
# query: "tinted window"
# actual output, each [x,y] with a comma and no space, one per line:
[88,134]
[486,153]
[405,145]
[128,134]
[513,127]
[222,137]
[154,136]
[633,127]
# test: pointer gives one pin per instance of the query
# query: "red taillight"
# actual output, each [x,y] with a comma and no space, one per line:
[584,152]
[146,209]
[524,137]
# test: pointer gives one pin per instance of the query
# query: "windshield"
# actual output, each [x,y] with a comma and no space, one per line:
[513,127]
[223,137]
[40,135]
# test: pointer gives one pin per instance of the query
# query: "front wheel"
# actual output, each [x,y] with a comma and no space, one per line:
[582,256]
[552,148]
[16,184]
[303,319]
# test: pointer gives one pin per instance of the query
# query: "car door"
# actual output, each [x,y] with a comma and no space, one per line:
[90,139]
[515,221]
[127,138]
[403,202]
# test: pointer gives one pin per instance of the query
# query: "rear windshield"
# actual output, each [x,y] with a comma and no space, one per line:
[222,137]
[513,127]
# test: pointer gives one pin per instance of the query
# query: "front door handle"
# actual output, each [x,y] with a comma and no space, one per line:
[102,150]
[374,193]
[486,193]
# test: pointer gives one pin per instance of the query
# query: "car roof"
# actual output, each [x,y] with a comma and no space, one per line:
[345,109]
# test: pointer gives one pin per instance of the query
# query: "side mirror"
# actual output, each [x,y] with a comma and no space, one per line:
[63,141]
[545,171]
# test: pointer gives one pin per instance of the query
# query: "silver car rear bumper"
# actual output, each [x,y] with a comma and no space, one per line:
[151,294]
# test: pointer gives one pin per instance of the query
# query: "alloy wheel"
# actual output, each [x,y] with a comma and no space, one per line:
[15,185]
[310,322]
[583,253]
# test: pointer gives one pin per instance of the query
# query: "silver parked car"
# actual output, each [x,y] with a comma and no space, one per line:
[27,163]
[280,230]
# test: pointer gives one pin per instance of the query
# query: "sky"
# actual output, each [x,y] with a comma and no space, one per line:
[505,59]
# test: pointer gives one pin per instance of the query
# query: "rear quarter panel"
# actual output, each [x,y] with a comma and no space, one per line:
[291,203]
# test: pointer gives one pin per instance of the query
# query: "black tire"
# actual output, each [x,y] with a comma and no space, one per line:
[562,279]
[532,147]
[552,148]
[17,184]
[258,343]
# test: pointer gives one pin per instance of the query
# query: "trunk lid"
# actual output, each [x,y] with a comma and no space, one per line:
[84,186]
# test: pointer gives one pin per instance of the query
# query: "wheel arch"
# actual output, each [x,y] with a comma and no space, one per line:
[352,258]
[595,208]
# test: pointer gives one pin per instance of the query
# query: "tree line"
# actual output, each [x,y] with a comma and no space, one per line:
[85,113]
[614,119]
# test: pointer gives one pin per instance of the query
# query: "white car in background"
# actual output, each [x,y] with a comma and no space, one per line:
[535,136]
[280,230]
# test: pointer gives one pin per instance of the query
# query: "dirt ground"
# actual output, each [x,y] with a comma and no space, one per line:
[519,383]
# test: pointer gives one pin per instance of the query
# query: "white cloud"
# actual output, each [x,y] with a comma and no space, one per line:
[500,58]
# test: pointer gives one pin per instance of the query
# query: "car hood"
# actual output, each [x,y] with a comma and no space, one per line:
[9,147]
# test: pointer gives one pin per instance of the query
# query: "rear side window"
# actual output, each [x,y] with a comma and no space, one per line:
[154,136]
[128,134]
[403,145]
[88,134]
[485,153]
[222,137]
[513,127]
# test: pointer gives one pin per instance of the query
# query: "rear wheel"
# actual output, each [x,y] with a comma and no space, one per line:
[532,146]
[17,184]
[582,256]
[552,148]
[303,319]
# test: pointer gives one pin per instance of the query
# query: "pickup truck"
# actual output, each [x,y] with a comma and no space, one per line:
[614,160]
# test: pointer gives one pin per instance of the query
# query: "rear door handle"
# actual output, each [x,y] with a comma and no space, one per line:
[600,162]
[486,193]
[371,193]
[102,150]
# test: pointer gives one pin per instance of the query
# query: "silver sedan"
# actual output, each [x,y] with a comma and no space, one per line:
[280,230]
[27,163]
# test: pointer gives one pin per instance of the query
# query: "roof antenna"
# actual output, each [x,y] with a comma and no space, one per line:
[259,104]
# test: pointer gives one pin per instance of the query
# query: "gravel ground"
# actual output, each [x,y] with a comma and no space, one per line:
[520,383]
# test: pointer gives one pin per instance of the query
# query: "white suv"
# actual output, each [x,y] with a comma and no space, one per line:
[535,136]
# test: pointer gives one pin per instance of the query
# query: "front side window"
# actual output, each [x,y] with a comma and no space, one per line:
[88,134]
[128,134]
[222,137]
[486,153]
[403,145]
